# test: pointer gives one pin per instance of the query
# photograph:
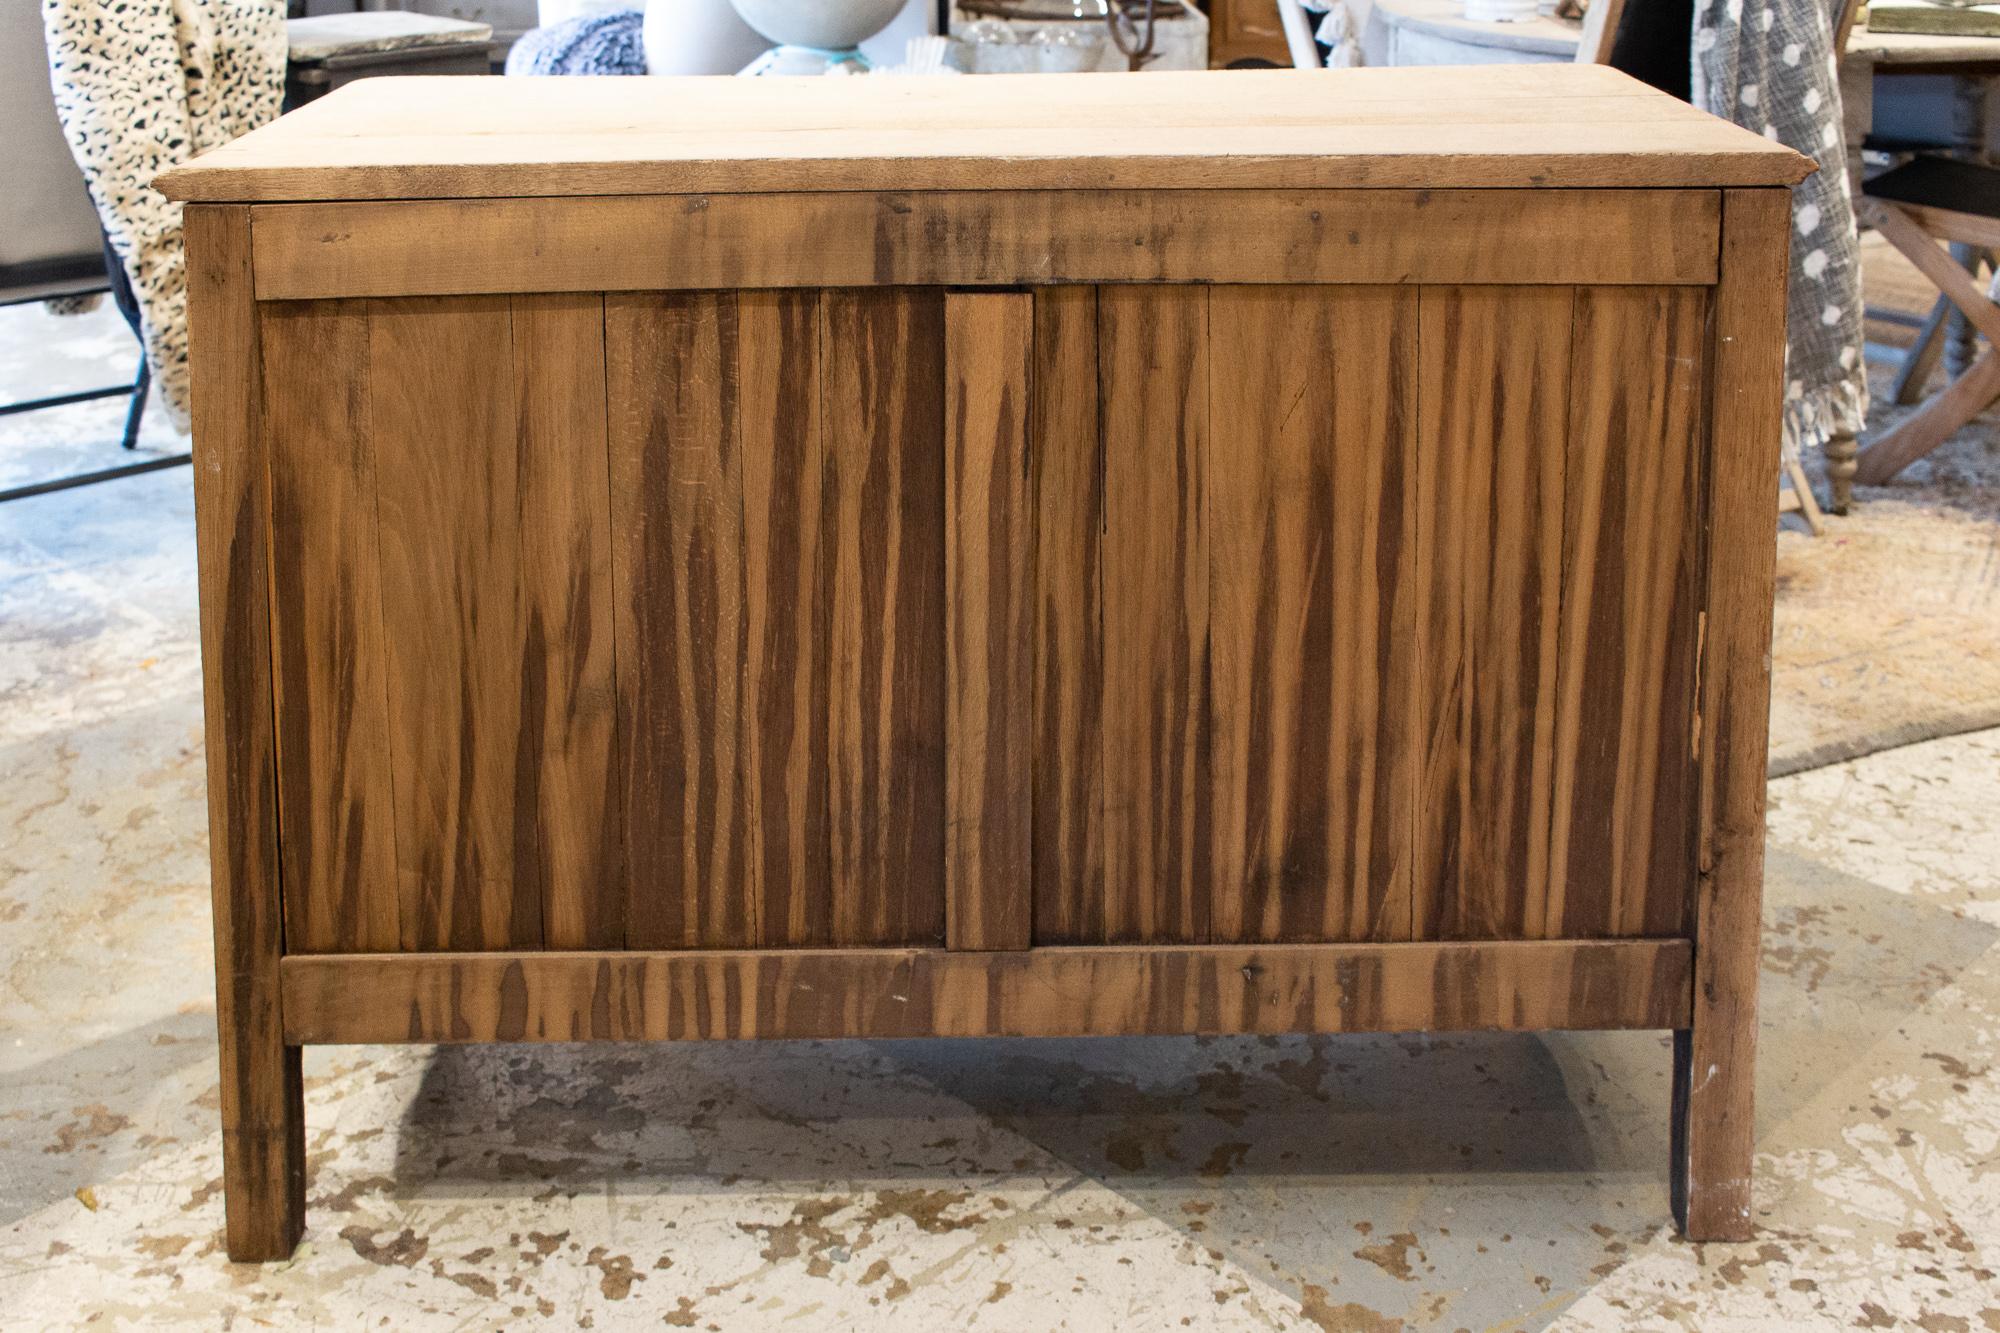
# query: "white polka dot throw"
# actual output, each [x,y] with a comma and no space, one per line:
[1770,67]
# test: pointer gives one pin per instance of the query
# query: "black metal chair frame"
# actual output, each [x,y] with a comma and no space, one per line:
[134,410]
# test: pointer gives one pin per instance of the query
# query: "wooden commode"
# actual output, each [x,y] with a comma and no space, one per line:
[1195,553]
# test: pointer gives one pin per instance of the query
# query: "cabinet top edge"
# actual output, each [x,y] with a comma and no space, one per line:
[1564,126]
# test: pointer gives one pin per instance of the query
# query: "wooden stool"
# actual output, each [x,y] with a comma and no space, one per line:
[1914,207]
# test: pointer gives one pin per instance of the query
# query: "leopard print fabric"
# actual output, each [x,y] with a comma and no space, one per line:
[143,85]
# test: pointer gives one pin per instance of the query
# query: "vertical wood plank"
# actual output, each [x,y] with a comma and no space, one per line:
[263,1116]
[1153,381]
[1068,834]
[334,784]
[1621,845]
[447,495]
[677,512]
[1714,1060]
[1494,376]
[787,611]
[882,353]
[989,621]
[568,746]
[1311,611]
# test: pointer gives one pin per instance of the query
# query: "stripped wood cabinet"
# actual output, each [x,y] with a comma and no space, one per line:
[876,599]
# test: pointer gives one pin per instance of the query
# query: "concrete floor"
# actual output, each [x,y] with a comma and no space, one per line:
[1357,1184]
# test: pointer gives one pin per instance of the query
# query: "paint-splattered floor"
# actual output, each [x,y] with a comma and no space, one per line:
[1514,1182]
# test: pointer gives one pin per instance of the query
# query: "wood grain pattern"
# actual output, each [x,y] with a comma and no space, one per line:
[677,512]
[787,610]
[568,747]
[1541,126]
[989,621]
[978,237]
[1714,1060]
[260,1092]
[1494,414]
[1311,604]
[1622,845]
[883,410]
[448,503]
[1153,349]
[1115,991]
[1068,796]
[336,811]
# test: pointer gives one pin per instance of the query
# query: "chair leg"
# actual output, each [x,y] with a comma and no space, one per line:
[1805,501]
[134,410]
[1958,340]
[1933,423]
[1922,358]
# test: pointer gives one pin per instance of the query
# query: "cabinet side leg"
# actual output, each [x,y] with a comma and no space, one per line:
[1715,1056]
[263,1129]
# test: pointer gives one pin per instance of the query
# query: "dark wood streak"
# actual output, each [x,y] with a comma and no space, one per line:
[1068,457]
[1624,782]
[1153,385]
[1311,599]
[677,498]
[788,577]
[883,411]
[566,763]
[334,779]
[1494,416]
[448,513]
[989,630]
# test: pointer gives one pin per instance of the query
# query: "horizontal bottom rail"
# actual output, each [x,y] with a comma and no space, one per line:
[1114,990]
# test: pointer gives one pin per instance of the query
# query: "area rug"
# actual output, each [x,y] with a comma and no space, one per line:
[1888,624]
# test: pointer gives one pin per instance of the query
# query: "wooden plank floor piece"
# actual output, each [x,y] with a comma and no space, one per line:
[1069,813]
[1622,845]
[260,1092]
[448,504]
[1153,380]
[677,515]
[569,724]
[787,615]
[1089,991]
[1715,1059]
[335,786]
[989,621]
[1311,536]
[882,408]
[1494,377]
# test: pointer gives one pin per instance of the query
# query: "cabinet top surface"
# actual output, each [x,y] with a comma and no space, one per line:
[1565,126]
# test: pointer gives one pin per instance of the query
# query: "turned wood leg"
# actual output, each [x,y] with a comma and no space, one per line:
[1841,451]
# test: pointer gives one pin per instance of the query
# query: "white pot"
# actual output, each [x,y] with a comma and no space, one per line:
[830,25]
[698,37]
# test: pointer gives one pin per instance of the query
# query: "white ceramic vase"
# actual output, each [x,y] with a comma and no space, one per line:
[825,25]
[698,37]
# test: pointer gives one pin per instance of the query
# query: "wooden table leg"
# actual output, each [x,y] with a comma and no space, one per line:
[263,1123]
[1714,1057]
